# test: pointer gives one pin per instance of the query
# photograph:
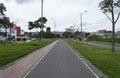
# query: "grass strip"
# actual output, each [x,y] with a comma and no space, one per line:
[102,58]
[11,52]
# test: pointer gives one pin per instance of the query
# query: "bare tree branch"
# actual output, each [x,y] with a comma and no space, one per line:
[117,18]
[108,17]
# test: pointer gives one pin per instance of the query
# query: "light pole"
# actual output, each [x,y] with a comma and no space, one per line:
[81,20]
[41,17]
[41,8]
[54,24]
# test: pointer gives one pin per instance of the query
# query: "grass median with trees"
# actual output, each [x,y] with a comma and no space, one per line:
[11,52]
[102,58]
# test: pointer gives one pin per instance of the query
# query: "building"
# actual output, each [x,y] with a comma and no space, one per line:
[15,33]
[18,30]
[101,32]
[118,33]
[105,33]
[9,31]
[109,33]
[22,32]
[93,33]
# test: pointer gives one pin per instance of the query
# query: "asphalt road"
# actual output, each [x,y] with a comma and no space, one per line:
[61,62]
[104,45]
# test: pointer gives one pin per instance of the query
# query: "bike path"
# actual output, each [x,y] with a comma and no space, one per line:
[61,62]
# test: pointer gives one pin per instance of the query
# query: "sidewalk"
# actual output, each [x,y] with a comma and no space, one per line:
[20,67]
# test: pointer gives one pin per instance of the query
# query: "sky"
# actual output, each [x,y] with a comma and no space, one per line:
[64,13]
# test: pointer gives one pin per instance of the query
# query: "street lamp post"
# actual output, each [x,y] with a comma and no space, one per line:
[54,24]
[81,20]
[41,8]
[81,23]
[41,17]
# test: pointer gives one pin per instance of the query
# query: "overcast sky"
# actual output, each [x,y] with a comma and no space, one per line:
[66,13]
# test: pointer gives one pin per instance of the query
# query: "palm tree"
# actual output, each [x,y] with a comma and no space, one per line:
[41,22]
[38,24]
[11,25]
[5,23]
[2,9]
[32,25]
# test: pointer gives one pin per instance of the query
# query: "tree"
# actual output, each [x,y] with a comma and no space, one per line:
[38,24]
[2,9]
[70,29]
[48,29]
[48,33]
[10,25]
[41,22]
[31,25]
[108,7]
[69,32]
[5,21]
[66,34]
[7,24]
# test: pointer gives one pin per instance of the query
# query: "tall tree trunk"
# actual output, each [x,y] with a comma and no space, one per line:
[42,33]
[6,33]
[10,36]
[113,28]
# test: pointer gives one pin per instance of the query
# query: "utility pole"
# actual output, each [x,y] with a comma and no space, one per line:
[41,8]
[41,17]
[54,24]
[81,20]
[81,24]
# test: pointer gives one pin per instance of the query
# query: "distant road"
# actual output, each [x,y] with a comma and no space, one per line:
[61,62]
[117,47]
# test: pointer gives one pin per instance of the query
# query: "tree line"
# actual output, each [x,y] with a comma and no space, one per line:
[107,6]
[40,24]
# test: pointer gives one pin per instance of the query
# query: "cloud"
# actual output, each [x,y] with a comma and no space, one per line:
[22,12]
[65,13]
[22,1]
[27,1]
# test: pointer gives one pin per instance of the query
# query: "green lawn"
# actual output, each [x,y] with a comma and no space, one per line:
[102,58]
[10,52]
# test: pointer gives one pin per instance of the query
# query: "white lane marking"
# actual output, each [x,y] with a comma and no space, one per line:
[86,65]
[84,62]
[35,65]
[89,68]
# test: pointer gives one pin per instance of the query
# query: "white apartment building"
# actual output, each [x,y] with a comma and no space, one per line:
[3,33]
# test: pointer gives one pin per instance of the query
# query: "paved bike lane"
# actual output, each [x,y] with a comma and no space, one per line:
[61,62]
